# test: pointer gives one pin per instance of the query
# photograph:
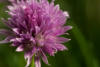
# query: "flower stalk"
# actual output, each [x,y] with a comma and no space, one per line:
[32,63]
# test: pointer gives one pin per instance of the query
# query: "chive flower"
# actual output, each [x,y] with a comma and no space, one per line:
[36,27]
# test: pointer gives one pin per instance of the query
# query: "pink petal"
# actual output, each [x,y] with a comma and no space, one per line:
[28,58]
[37,61]
[20,48]
[5,32]
[62,39]
[44,58]
[7,40]
[60,47]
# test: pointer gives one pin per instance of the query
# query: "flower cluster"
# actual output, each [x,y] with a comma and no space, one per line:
[36,26]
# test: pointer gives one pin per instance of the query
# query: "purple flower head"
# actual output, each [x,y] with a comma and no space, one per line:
[36,26]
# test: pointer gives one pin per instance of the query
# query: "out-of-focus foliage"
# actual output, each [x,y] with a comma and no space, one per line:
[84,47]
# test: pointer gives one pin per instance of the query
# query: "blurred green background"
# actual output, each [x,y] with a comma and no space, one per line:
[84,48]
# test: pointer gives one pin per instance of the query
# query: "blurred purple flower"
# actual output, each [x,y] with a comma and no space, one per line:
[36,26]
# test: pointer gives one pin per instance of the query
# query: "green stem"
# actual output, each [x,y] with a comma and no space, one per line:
[32,64]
